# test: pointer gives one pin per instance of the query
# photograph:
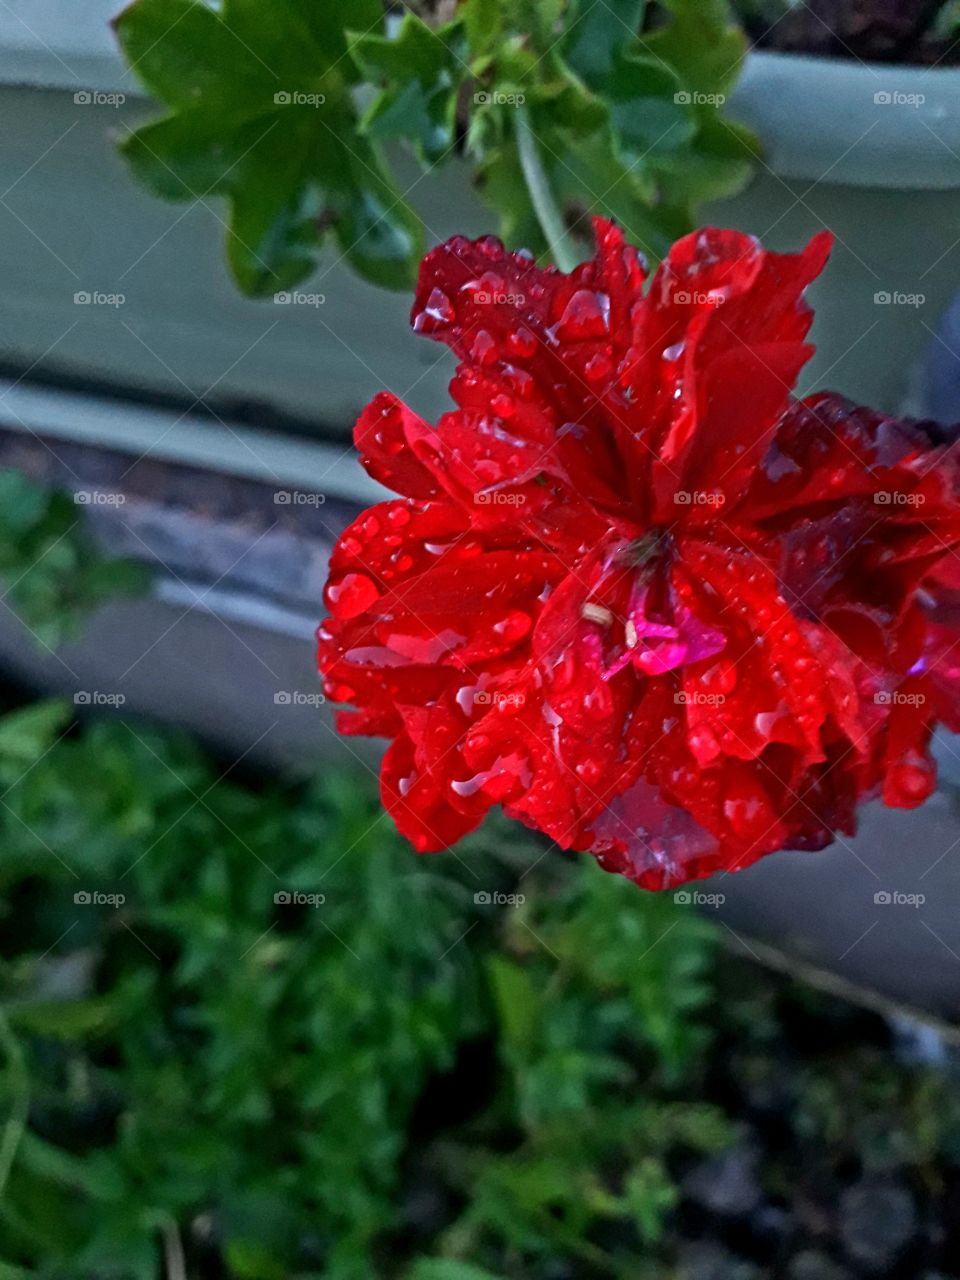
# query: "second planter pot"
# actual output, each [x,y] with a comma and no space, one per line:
[871,152]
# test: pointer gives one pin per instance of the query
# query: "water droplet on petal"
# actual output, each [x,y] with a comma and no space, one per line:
[439,307]
[521,342]
[514,626]
[585,316]
[598,367]
[484,348]
[589,770]
[351,595]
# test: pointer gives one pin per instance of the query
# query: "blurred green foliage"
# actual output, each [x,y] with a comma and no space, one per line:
[197,1061]
[289,110]
[51,575]
[247,1034]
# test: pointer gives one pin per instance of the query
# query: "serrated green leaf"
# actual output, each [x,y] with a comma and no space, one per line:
[594,172]
[563,102]
[649,110]
[423,69]
[701,44]
[599,30]
[186,56]
[189,155]
[263,115]
[720,163]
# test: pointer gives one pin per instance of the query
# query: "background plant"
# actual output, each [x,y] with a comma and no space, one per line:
[51,572]
[206,1068]
[295,113]
[201,1078]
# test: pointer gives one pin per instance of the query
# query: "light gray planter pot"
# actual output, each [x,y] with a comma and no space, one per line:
[873,153]
[884,176]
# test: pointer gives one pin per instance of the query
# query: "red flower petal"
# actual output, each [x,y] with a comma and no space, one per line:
[634,593]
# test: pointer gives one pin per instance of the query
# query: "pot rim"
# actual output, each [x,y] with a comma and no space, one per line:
[889,126]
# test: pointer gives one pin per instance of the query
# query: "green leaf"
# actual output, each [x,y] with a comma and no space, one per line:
[249,1260]
[23,503]
[447,1269]
[538,20]
[423,69]
[263,115]
[649,109]
[94,1176]
[188,155]
[483,23]
[187,57]
[719,163]
[26,734]
[701,44]
[650,1194]
[517,1003]
[64,1020]
[599,30]
[595,172]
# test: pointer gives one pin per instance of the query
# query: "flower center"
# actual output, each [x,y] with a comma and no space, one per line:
[660,632]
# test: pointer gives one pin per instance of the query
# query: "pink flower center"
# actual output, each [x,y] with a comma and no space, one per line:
[656,646]
[658,637]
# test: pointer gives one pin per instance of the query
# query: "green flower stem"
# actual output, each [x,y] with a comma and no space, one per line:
[548,215]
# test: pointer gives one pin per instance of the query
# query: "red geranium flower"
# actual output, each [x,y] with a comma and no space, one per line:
[633,591]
